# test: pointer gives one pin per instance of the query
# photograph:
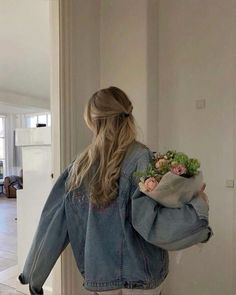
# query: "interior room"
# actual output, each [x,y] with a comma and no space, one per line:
[176,61]
[24,107]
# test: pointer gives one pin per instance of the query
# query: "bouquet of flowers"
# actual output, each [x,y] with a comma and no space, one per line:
[172,179]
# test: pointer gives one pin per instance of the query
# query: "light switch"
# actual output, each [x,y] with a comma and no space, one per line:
[200,104]
[229,182]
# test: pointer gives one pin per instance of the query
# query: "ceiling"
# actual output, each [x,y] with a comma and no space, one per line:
[24,53]
[18,109]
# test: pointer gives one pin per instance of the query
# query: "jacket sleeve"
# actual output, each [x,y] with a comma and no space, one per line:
[50,238]
[168,228]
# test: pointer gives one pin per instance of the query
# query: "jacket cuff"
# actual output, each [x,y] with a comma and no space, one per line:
[210,234]
[34,291]
[201,207]
[21,279]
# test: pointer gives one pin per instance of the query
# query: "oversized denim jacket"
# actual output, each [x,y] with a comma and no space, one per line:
[122,246]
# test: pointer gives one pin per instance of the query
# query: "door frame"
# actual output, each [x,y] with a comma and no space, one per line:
[55,115]
[62,275]
[234,159]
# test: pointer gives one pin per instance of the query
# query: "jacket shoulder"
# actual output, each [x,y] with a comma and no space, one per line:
[134,153]
[141,150]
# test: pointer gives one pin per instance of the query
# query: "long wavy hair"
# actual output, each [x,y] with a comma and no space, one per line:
[108,113]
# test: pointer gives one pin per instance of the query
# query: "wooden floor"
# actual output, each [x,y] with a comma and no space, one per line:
[9,283]
[8,233]
[5,290]
[8,247]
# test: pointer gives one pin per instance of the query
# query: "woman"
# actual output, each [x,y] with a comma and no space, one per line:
[120,237]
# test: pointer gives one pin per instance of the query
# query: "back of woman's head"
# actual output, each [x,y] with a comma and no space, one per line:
[108,114]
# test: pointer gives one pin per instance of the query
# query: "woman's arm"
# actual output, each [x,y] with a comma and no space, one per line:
[168,228]
[50,239]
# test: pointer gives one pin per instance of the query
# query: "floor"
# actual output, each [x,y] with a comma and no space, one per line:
[5,290]
[8,232]
[8,248]
[9,283]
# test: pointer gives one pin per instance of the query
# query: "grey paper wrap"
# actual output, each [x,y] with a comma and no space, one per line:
[174,190]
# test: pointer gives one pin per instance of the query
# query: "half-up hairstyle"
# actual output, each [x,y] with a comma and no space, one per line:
[108,113]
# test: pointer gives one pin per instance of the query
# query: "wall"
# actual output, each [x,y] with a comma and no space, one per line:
[128,58]
[196,58]
[86,63]
[24,55]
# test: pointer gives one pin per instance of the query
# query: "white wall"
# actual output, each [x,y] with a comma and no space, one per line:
[196,58]
[24,55]
[124,51]
[84,71]
[106,51]
[128,58]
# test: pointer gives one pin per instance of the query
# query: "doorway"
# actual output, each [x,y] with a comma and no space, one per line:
[24,106]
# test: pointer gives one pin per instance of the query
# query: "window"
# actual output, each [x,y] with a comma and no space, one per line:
[2,147]
[33,119]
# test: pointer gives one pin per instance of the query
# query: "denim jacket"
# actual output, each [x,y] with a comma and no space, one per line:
[122,246]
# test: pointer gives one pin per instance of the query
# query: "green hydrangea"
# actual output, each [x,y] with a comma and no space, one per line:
[172,158]
[192,166]
[181,158]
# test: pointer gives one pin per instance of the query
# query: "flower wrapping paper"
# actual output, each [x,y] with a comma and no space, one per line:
[174,190]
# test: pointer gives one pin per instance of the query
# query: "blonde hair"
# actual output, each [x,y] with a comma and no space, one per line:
[108,113]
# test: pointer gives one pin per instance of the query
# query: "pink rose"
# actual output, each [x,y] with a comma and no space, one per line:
[179,169]
[150,184]
[160,163]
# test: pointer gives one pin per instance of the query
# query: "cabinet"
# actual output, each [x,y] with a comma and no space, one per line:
[36,159]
